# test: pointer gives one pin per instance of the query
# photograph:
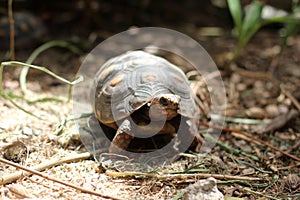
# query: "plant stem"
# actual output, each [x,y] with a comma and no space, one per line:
[37,52]
[12,30]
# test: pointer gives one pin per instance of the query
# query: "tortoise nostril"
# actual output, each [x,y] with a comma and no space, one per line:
[163,101]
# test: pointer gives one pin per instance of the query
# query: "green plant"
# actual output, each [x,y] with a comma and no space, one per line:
[246,26]
[41,49]
[291,26]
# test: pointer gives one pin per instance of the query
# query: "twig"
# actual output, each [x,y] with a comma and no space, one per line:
[180,176]
[291,97]
[12,177]
[290,167]
[260,194]
[251,139]
[12,30]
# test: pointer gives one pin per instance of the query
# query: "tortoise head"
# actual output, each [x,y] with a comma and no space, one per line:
[164,106]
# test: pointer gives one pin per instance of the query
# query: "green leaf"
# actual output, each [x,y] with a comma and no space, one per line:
[252,20]
[236,13]
[291,26]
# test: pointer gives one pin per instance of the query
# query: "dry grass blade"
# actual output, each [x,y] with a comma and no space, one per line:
[20,64]
[4,95]
[258,193]
[43,69]
[181,176]
[38,51]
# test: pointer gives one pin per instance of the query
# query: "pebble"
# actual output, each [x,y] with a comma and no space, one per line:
[27,131]
[272,110]
[256,112]
[205,189]
[283,109]
[241,87]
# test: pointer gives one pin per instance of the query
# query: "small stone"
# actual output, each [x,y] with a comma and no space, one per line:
[244,146]
[283,109]
[248,171]
[27,131]
[205,189]
[281,98]
[235,78]
[293,70]
[287,102]
[241,87]
[256,112]
[259,85]
[15,152]
[68,138]
[272,110]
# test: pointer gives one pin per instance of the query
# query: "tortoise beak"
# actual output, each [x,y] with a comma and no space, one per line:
[164,106]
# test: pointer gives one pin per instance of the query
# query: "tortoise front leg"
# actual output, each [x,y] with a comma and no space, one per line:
[188,136]
[122,138]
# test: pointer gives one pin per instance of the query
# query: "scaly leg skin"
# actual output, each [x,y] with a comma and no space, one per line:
[187,136]
[92,135]
[122,138]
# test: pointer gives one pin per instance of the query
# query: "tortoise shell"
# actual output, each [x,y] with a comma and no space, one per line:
[126,83]
[28,30]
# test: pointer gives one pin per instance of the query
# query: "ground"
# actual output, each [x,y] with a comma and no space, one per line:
[266,156]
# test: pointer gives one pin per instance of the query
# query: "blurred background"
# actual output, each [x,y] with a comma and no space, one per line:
[94,20]
[86,23]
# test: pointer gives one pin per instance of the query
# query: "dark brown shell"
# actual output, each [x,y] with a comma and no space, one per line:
[129,81]
[28,29]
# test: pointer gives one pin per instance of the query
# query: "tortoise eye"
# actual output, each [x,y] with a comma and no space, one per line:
[163,101]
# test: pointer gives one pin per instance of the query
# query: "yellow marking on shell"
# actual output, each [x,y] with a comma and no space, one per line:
[149,77]
[116,80]
[105,72]
[178,78]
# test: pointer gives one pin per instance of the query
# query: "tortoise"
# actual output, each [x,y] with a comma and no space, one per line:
[138,95]
[28,30]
